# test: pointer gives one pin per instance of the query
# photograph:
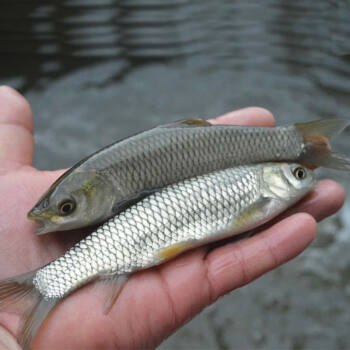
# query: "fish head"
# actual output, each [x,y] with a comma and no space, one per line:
[287,182]
[75,200]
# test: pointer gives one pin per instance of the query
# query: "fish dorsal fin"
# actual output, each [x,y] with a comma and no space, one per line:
[185,123]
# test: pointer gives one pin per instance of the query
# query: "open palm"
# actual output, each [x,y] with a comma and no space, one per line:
[154,302]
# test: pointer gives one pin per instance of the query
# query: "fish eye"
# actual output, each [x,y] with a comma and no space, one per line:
[66,207]
[299,173]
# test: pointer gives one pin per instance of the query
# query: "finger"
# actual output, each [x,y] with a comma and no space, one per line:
[16,139]
[236,264]
[325,200]
[251,116]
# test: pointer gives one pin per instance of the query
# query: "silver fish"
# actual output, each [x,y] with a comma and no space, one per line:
[110,180]
[177,218]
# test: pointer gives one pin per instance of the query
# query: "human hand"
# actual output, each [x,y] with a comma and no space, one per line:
[153,303]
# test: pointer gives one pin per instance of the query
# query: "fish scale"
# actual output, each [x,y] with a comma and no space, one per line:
[114,178]
[204,153]
[190,210]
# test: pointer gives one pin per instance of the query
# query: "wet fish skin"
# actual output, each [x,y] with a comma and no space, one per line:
[177,218]
[110,180]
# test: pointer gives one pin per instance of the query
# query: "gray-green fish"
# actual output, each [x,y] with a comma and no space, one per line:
[108,181]
[177,218]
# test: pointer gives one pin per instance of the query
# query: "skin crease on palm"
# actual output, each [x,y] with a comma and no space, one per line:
[156,302]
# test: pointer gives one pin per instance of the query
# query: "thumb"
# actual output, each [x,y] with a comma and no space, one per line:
[16,130]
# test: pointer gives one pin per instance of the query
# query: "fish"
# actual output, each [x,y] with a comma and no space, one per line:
[161,226]
[121,174]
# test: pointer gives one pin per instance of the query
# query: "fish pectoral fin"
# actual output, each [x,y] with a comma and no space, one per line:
[252,214]
[112,286]
[186,123]
[175,249]
[131,200]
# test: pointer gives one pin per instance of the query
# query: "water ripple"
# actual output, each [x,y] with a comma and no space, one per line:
[240,34]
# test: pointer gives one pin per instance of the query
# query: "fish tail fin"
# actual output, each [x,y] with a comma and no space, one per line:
[18,294]
[317,151]
[326,127]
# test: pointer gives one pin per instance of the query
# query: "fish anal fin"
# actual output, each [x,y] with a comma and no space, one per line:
[174,250]
[112,286]
[192,122]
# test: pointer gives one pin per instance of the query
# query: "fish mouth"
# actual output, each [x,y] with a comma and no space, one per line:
[42,226]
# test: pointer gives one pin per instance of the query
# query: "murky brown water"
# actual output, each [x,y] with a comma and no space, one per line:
[99,70]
